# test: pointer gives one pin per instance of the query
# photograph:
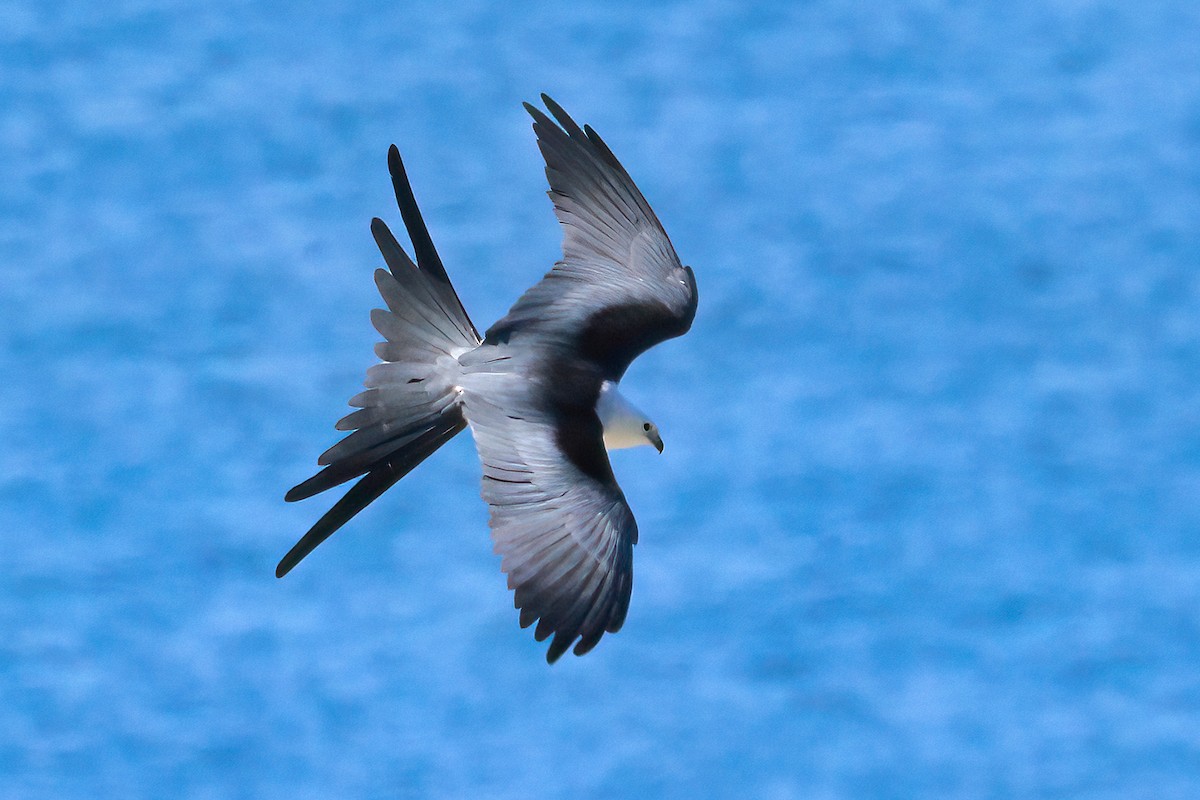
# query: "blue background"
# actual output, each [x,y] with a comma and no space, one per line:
[926,522]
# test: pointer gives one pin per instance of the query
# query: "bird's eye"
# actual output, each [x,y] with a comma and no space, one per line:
[646,427]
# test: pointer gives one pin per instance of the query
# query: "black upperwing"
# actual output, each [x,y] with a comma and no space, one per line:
[620,287]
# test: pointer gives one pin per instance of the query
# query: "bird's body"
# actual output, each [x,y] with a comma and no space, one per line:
[539,390]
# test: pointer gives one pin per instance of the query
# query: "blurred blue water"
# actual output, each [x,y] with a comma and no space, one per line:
[926,523]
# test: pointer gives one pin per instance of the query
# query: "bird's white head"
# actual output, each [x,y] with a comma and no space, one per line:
[624,425]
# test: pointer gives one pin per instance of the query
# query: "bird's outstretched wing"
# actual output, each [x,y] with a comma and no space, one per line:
[620,288]
[558,518]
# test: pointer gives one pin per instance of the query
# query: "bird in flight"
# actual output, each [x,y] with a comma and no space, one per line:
[538,390]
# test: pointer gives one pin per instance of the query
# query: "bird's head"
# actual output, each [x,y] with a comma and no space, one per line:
[624,425]
[651,436]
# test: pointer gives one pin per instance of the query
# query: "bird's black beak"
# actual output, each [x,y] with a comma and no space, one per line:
[656,440]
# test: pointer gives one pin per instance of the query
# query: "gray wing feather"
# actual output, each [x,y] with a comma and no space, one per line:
[566,539]
[619,287]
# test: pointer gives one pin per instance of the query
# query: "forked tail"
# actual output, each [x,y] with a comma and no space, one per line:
[410,407]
